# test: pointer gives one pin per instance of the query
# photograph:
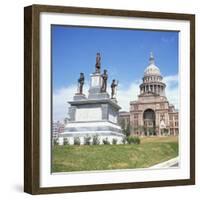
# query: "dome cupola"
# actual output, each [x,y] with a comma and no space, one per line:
[152,80]
[152,69]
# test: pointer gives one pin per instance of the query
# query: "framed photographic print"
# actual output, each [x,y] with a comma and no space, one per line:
[109,99]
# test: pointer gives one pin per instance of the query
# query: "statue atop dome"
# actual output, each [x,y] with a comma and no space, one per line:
[151,59]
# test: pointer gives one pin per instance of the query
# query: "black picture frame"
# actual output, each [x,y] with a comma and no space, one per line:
[32,95]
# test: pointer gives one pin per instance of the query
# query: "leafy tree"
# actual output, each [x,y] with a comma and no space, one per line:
[122,124]
[128,129]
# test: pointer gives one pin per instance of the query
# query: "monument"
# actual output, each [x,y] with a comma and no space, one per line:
[95,115]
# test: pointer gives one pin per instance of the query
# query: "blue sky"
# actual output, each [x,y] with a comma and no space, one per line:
[124,53]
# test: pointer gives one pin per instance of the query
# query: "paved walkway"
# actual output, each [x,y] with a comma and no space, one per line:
[169,163]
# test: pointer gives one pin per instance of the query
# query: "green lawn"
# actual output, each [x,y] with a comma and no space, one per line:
[151,151]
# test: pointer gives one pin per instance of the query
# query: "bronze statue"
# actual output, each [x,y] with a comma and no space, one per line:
[104,83]
[113,89]
[98,63]
[81,83]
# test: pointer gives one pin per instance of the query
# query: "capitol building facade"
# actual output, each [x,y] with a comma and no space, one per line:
[151,113]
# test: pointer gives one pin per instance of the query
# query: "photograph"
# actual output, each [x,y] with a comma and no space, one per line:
[114,99]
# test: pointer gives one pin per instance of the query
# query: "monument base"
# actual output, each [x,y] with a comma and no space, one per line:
[104,130]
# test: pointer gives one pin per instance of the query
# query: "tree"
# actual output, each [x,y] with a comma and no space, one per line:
[122,124]
[128,129]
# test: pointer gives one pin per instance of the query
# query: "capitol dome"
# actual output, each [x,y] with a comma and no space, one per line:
[152,80]
[152,69]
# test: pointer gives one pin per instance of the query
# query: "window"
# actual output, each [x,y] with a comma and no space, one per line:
[135,116]
[136,122]
[162,116]
[162,106]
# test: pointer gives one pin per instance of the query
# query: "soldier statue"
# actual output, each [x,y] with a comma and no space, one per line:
[104,79]
[81,83]
[98,63]
[113,89]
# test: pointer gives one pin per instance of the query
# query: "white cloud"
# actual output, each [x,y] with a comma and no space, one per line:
[60,101]
[124,95]
[172,89]
[60,105]
[168,39]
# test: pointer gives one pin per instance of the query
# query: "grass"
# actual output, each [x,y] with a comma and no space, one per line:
[151,151]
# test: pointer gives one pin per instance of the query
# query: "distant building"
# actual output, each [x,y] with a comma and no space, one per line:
[57,128]
[152,114]
[124,120]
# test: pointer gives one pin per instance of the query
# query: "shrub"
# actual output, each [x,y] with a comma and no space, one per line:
[77,141]
[124,140]
[105,141]
[114,141]
[133,140]
[95,140]
[66,141]
[87,140]
[55,141]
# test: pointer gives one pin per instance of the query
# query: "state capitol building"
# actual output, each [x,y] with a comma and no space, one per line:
[151,113]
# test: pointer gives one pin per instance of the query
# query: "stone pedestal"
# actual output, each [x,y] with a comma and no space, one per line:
[78,97]
[95,87]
